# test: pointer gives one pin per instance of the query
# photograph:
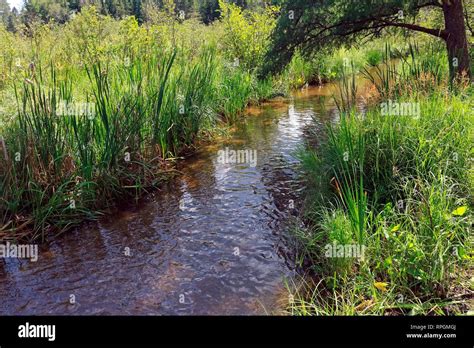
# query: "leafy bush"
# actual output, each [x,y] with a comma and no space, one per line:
[247,33]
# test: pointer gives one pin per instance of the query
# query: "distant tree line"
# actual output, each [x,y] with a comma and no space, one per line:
[60,11]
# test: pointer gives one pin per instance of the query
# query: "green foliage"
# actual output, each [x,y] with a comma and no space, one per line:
[143,10]
[341,23]
[4,12]
[327,65]
[209,11]
[374,57]
[155,90]
[247,33]
[399,185]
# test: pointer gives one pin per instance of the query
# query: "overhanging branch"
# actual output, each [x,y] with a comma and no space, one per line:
[435,32]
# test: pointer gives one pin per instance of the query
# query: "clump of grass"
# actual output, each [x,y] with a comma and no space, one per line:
[347,99]
[236,89]
[374,57]
[420,70]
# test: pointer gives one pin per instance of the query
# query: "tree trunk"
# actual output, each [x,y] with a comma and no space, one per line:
[456,40]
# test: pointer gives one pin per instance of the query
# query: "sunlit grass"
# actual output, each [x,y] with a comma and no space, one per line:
[402,186]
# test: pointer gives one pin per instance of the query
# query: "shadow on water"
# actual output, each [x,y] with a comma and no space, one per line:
[210,242]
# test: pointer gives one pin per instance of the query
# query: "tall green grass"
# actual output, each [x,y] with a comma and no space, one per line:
[419,69]
[63,167]
[400,185]
[153,101]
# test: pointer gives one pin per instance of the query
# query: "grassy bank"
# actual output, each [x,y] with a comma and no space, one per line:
[389,205]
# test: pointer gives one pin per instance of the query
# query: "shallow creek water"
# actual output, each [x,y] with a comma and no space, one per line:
[212,241]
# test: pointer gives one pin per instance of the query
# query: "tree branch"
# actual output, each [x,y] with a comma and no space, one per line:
[435,32]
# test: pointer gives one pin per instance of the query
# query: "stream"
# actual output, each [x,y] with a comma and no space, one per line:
[210,242]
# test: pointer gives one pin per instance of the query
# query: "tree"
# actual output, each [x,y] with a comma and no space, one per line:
[137,10]
[12,22]
[46,10]
[4,11]
[209,11]
[314,24]
[186,6]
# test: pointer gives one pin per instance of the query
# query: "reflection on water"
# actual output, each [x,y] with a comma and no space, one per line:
[210,242]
